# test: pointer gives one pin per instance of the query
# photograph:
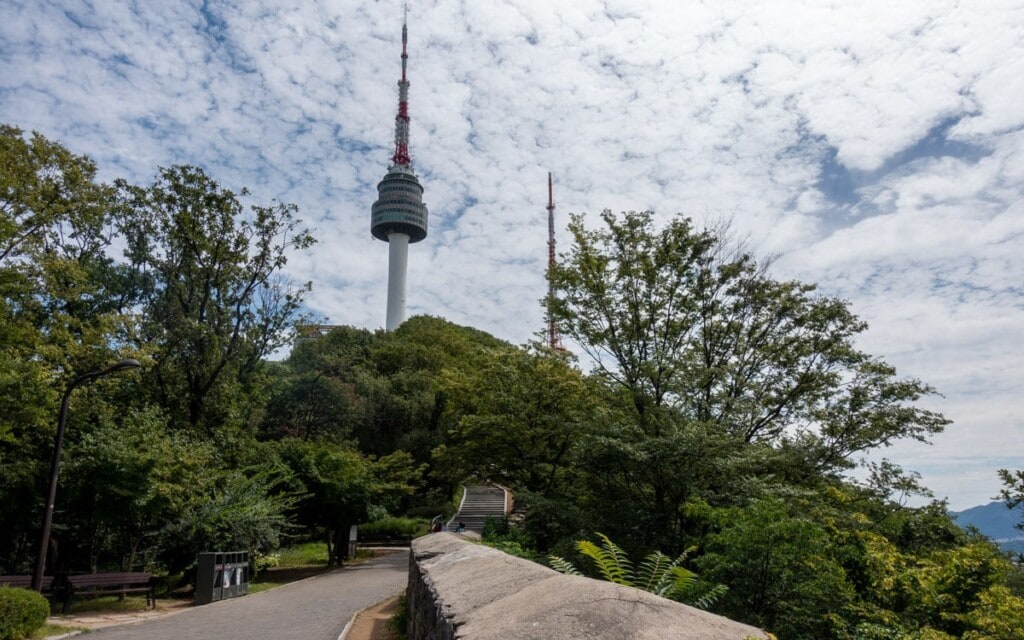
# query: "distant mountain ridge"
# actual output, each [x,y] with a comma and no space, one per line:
[995,521]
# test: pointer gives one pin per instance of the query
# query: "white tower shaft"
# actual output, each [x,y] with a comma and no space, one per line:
[398,262]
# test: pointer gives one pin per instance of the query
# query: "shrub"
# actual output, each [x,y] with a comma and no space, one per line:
[376,513]
[261,561]
[299,555]
[21,612]
[513,549]
[500,534]
[431,510]
[394,527]
[658,573]
[495,528]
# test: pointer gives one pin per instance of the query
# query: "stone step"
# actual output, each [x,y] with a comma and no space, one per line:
[478,504]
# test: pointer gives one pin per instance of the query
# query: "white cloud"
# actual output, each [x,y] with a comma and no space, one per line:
[876,146]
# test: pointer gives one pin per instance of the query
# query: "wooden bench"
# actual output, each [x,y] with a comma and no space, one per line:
[104,584]
[25,582]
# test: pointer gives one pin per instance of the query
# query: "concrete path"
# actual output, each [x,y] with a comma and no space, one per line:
[313,609]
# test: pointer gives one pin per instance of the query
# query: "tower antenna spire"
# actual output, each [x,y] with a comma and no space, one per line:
[401,155]
[399,216]
[554,340]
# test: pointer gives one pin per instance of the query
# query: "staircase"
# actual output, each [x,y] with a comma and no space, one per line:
[479,503]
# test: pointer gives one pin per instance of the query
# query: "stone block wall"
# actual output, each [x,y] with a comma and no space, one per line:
[459,590]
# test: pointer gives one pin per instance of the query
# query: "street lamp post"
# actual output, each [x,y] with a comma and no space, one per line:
[44,537]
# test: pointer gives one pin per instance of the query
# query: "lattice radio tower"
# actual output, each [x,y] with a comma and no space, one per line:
[554,340]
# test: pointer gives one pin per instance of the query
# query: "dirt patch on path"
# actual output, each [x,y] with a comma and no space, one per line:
[99,619]
[372,623]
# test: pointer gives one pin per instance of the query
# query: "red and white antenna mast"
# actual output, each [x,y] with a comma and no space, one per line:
[554,340]
[401,155]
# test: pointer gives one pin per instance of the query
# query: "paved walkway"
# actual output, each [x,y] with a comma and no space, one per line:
[313,609]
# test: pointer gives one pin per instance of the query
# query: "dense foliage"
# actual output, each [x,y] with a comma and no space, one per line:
[657,573]
[21,613]
[711,438]
[186,454]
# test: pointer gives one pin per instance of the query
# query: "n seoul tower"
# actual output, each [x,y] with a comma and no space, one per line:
[399,216]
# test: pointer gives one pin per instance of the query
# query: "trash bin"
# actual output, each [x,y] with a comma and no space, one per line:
[221,575]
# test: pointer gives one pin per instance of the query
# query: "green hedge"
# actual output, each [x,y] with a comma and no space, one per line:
[394,526]
[22,611]
[431,510]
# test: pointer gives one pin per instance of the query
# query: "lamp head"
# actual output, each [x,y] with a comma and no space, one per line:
[129,363]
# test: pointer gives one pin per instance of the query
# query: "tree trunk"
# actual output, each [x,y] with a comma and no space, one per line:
[341,544]
[330,548]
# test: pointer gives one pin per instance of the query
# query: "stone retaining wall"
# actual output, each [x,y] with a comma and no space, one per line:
[466,591]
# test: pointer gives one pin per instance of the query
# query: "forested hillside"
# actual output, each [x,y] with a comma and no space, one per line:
[722,413]
[993,519]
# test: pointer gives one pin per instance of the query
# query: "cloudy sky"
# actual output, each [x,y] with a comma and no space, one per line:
[875,146]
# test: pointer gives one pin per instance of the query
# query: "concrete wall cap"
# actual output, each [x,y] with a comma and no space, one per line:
[485,594]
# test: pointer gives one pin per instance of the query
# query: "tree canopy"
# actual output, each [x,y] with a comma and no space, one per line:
[208,281]
[714,432]
[693,330]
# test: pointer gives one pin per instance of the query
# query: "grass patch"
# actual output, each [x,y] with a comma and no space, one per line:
[277,576]
[114,604]
[399,622]
[301,555]
[256,587]
[293,563]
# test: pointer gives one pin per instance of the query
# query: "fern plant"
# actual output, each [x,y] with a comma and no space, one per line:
[658,573]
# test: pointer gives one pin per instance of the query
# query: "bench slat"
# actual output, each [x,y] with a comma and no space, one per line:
[25,582]
[103,579]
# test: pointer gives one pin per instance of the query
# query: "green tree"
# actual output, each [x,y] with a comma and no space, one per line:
[1013,490]
[840,562]
[405,408]
[311,406]
[58,311]
[516,415]
[629,298]
[314,394]
[716,364]
[213,301]
[339,353]
[680,322]
[124,480]
[999,615]
[235,510]
[781,569]
[957,591]
[340,484]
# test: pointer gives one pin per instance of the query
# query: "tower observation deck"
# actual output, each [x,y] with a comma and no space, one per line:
[399,207]
[399,216]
